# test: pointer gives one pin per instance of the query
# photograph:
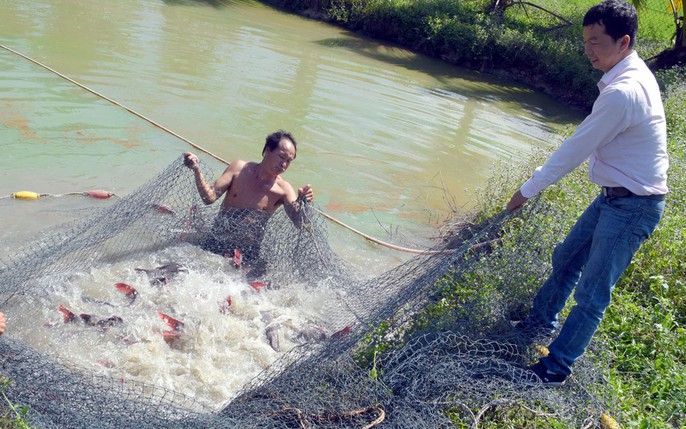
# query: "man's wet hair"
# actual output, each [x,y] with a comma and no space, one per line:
[617,16]
[273,140]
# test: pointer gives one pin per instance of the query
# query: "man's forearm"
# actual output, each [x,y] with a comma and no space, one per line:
[206,191]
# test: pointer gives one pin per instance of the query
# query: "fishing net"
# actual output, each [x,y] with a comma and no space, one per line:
[427,344]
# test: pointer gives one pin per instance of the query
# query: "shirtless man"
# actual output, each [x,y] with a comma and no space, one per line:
[2,323]
[253,191]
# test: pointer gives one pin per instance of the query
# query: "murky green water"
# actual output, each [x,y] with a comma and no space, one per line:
[387,137]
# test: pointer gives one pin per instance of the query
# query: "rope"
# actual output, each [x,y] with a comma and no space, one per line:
[30,195]
[383,243]
[201,149]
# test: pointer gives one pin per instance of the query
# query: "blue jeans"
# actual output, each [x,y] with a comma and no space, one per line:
[591,258]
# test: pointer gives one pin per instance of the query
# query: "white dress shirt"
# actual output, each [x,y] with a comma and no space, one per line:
[624,137]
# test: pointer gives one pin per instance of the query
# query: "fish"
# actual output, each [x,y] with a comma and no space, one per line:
[258,286]
[272,330]
[170,321]
[91,320]
[170,337]
[67,314]
[225,305]
[127,290]
[162,275]
[110,321]
[273,336]
[339,335]
[87,318]
[91,300]
[237,258]
[313,334]
[70,317]
[105,363]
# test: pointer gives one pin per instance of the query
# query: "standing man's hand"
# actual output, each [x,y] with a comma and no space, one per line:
[516,202]
[307,192]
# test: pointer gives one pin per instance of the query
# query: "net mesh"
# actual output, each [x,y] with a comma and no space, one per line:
[404,349]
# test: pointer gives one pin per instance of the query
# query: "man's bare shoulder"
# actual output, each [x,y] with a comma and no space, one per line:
[285,189]
[237,165]
[283,183]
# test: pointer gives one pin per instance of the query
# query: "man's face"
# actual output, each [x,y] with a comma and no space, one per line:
[601,49]
[280,158]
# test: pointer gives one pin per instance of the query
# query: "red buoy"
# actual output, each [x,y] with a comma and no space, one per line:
[102,195]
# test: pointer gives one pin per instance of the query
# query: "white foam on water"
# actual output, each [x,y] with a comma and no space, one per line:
[220,347]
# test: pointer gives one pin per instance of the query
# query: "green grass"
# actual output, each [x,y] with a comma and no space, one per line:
[11,416]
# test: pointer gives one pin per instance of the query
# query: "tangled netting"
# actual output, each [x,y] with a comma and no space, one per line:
[428,344]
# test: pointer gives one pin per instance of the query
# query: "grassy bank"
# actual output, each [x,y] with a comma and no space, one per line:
[643,335]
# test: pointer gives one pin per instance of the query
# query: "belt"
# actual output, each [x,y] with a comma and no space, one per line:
[619,191]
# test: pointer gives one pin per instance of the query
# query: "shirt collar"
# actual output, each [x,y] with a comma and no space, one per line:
[616,70]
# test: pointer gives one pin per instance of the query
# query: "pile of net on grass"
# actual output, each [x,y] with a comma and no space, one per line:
[427,344]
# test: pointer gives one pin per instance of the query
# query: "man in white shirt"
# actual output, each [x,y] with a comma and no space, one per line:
[625,140]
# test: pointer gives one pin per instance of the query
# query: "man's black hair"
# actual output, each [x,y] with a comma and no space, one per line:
[617,16]
[273,140]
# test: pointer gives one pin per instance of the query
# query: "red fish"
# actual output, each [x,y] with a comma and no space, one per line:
[67,314]
[224,306]
[127,290]
[170,321]
[237,258]
[339,335]
[258,286]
